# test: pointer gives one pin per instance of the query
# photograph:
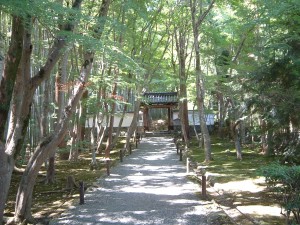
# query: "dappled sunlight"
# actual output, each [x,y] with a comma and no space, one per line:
[182,201]
[244,185]
[149,187]
[246,197]
[260,210]
[153,190]
[237,186]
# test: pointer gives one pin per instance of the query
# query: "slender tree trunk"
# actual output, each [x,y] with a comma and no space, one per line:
[45,131]
[204,129]
[73,154]
[60,88]
[199,79]
[221,109]
[183,95]
[264,144]
[195,130]
[270,148]
[183,107]
[235,132]
[102,133]
[121,121]
[82,119]
[133,125]
[111,124]
[104,120]
[93,143]
[243,131]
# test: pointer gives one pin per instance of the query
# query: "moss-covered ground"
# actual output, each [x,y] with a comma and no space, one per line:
[236,185]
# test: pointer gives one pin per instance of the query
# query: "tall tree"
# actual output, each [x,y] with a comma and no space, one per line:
[11,62]
[197,20]
[22,100]
[47,146]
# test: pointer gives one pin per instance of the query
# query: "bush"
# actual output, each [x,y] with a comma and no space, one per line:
[284,182]
[288,146]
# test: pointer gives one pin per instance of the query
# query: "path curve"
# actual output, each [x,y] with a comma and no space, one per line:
[148,187]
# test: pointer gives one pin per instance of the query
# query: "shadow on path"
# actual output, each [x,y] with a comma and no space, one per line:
[149,187]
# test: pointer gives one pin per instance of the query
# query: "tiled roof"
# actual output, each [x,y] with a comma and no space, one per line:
[160,98]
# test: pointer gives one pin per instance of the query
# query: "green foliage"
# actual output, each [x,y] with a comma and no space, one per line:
[273,83]
[49,13]
[284,182]
[287,146]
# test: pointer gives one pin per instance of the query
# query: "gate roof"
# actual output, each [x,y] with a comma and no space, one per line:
[160,98]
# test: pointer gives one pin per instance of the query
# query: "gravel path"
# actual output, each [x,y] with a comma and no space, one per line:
[149,187]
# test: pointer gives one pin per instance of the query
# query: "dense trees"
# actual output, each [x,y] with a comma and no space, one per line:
[239,60]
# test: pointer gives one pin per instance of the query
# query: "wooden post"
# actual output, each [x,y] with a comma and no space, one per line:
[203,186]
[108,167]
[81,193]
[121,155]
[130,150]
[180,156]
[187,165]
[177,147]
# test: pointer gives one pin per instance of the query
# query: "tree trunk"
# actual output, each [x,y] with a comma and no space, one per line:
[11,64]
[22,99]
[20,113]
[221,113]
[60,82]
[263,139]
[270,148]
[45,129]
[102,133]
[133,125]
[121,121]
[6,168]
[237,142]
[104,121]
[73,156]
[199,79]
[93,143]
[204,130]
[46,147]
[195,130]
[82,119]
[235,132]
[183,108]
[111,123]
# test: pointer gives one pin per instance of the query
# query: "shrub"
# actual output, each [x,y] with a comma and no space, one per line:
[284,182]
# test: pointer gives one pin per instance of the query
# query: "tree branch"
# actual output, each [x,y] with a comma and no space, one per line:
[202,17]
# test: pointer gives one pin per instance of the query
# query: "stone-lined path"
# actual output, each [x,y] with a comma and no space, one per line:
[149,187]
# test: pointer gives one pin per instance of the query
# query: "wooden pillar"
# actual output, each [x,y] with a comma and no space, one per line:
[146,118]
[170,119]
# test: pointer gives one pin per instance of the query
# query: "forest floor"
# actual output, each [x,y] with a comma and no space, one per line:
[237,189]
